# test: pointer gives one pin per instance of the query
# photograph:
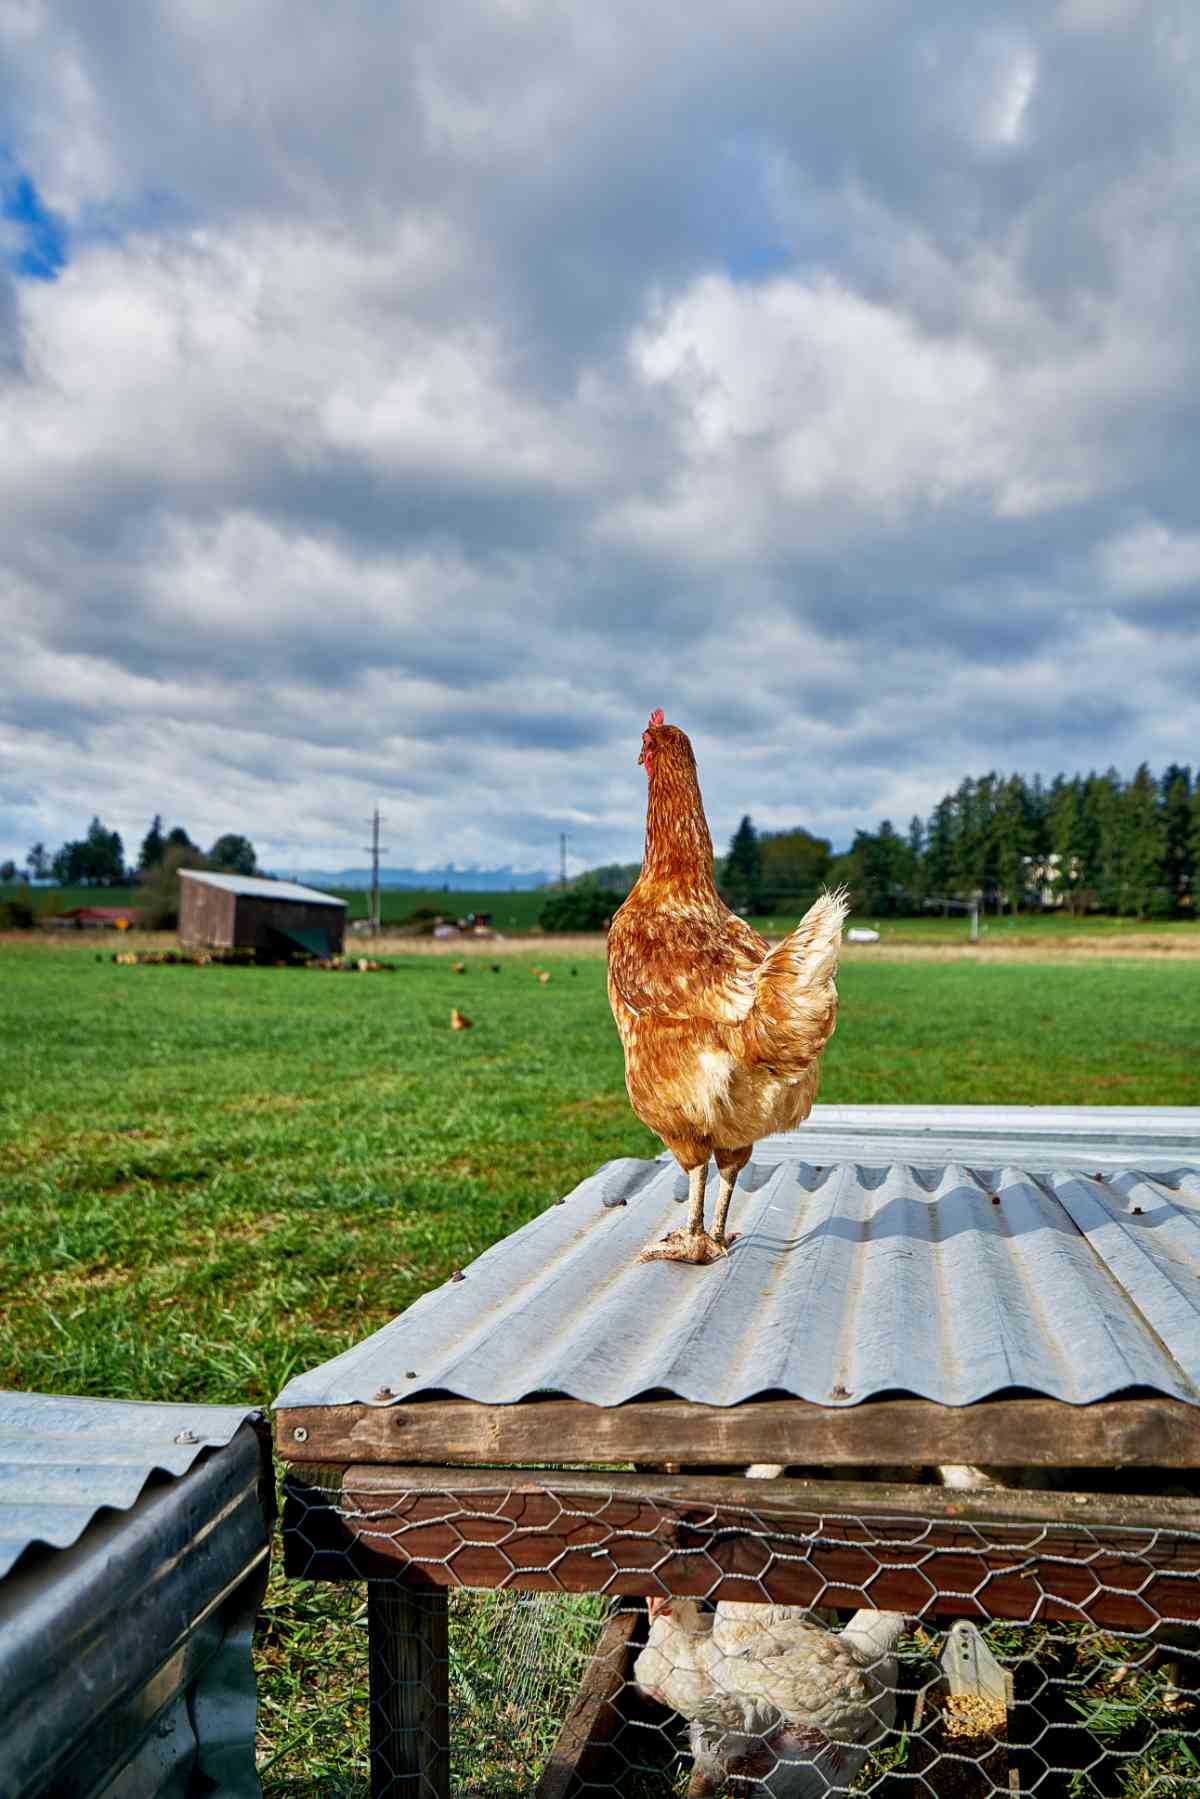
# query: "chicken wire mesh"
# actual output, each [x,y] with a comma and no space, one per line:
[654,1656]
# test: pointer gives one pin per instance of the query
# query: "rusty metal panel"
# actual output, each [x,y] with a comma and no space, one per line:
[946,1280]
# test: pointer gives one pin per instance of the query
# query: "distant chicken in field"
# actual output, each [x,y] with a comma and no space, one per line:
[722,1035]
[773,1701]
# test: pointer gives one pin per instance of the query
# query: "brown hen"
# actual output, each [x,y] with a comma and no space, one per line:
[722,1034]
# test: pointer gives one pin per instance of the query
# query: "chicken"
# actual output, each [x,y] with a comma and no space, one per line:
[770,1697]
[722,1035]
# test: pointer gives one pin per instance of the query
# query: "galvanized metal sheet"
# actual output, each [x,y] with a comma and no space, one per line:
[254,887]
[948,1281]
[64,1460]
[1033,1137]
[125,1662]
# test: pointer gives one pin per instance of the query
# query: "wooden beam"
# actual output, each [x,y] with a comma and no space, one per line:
[1123,1562]
[408,1649]
[596,1714]
[1143,1433]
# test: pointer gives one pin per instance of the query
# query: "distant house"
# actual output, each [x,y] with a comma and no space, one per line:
[96,918]
[273,918]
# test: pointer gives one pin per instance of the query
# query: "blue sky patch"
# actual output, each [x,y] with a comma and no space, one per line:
[40,247]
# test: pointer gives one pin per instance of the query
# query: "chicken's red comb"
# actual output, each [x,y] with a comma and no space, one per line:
[656,717]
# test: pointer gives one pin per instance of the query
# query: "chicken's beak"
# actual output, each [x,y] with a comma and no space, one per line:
[641,757]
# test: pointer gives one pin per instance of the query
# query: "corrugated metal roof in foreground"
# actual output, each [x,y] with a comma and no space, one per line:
[64,1460]
[849,1279]
[254,887]
[1034,1137]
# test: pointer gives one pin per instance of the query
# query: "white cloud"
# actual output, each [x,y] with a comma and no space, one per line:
[1150,560]
[414,413]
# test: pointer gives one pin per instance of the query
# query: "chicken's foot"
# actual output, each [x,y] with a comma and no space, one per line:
[693,1243]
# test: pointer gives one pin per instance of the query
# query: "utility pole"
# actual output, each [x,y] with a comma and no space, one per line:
[373,849]
[562,858]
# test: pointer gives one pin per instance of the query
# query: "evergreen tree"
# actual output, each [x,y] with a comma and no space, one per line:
[1178,865]
[939,852]
[968,848]
[742,873]
[1103,828]
[1064,844]
[1143,845]
[153,846]
[1012,840]
[916,859]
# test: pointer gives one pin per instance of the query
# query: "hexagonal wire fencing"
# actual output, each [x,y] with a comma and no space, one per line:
[561,1634]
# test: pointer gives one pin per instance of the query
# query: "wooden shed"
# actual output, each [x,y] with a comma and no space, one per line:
[273,918]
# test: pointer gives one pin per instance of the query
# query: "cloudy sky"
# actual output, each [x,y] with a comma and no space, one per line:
[396,404]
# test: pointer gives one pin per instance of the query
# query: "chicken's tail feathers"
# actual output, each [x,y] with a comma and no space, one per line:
[795,1003]
[807,958]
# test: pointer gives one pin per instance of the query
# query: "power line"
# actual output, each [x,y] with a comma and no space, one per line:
[374,849]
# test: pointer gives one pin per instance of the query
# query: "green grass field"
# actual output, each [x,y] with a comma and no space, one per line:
[516,911]
[210,1177]
[519,911]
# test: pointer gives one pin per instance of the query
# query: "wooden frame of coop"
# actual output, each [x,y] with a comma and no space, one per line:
[983,1266]
[461,1510]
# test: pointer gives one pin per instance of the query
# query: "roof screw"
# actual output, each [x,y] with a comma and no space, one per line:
[410,1374]
[995,1198]
[300,1435]
[384,1393]
[458,1275]
[187,1436]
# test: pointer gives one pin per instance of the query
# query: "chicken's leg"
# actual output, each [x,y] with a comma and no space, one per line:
[728,1183]
[692,1244]
[730,1162]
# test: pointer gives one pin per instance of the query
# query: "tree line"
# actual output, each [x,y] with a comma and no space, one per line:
[97,859]
[1083,843]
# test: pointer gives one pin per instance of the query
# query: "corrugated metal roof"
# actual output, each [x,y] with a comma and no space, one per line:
[849,1279]
[1033,1137]
[251,887]
[64,1460]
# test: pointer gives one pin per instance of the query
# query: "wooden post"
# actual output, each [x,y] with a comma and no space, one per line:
[409,1649]
[597,1713]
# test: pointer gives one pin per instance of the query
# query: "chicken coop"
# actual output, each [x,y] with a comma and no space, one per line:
[277,920]
[900,1497]
[133,1558]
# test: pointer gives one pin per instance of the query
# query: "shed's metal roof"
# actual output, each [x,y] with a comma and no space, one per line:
[64,1460]
[252,887]
[850,1279]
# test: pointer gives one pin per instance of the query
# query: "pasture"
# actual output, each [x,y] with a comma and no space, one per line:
[212,1176]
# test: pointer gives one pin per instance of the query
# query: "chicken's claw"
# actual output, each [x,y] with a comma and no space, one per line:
[685,1246]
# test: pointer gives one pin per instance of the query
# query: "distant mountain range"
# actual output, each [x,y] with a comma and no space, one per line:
[458,880]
